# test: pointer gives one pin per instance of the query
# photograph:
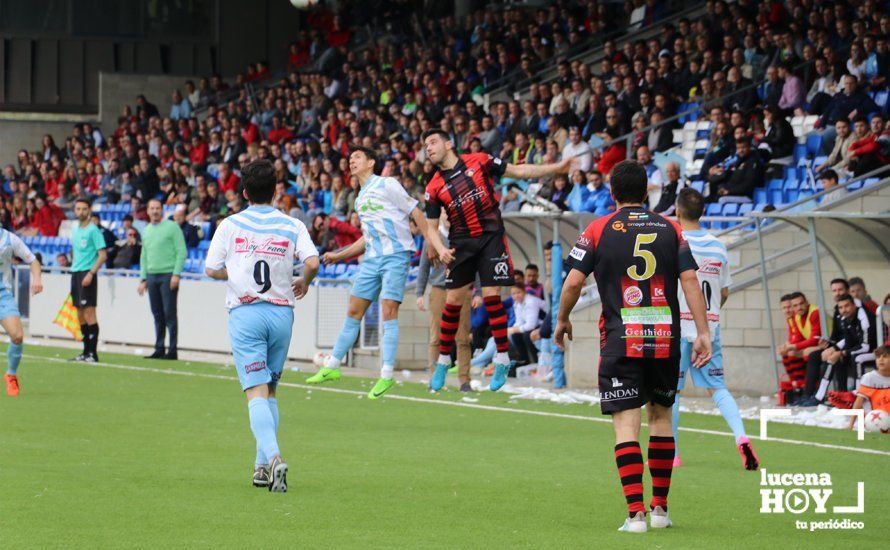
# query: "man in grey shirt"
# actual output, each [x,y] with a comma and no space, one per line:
[434,275]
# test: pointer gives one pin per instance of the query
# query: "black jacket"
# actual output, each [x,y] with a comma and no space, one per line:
[780,138]
[743,178]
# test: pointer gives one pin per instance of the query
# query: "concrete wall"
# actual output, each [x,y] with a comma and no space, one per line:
[26,130]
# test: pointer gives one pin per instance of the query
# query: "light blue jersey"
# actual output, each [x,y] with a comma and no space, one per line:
[384,208]
[11,246]
[713,276]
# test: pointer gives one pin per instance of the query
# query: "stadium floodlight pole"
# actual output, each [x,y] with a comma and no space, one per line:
[769,310]
[817,270]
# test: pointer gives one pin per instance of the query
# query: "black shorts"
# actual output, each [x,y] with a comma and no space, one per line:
[83,296]
[630,382]
[487,255]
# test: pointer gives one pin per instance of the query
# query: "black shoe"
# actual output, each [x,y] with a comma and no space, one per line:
[158,354]
[171,356]
[465,387]
[261,476]
[91,358]
[807,402]
[79,359]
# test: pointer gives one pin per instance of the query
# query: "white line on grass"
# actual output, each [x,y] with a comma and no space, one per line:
[451,403]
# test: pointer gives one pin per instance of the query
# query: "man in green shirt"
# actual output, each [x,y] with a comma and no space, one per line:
[88,250]
[163,255]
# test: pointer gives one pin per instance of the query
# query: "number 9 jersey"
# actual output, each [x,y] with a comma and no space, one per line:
[258,247]
[636,257]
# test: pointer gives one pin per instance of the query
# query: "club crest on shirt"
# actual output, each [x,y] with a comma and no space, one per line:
[618,225]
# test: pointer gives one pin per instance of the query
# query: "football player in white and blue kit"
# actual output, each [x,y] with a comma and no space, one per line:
[385,209]
[254,251]
[12,246]
[713,274]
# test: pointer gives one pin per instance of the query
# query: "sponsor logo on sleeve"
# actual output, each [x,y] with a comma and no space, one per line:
[578,253]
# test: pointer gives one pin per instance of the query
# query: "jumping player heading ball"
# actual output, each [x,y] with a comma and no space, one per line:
[464,186]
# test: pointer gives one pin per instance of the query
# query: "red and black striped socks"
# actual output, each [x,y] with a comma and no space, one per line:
[448,329]
[497,320]
[629,458]
[661,464]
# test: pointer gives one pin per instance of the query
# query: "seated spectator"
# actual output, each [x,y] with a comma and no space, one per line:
[62,260]
[857,290]
[655,180]
[839,157]
[614,151]
[865,153]
[793,92]
[46,219]
[345,233]
[830,184]
[557,191]
[511,201]
[181,108]
[667,202]
[532,286]
[823,88]
[129,251]
[779,140]
[735,179]
[849,103]
[804,335]
[874,386]
[598,198]
[721,147]
[529,311]
[661,137]
[577,148]
[189,231]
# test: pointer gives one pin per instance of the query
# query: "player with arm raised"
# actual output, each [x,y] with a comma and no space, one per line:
[637,258]
[254,251]
[713,276]
[12,246]
[463,185]
[384,208]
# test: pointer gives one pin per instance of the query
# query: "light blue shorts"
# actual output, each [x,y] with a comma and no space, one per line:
[260,335]
[710,375]
[383,277]
[8,305]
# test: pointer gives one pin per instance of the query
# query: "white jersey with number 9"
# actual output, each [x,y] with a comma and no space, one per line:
[713,276]
[258,247]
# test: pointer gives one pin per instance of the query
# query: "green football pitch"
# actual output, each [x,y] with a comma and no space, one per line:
[138,453]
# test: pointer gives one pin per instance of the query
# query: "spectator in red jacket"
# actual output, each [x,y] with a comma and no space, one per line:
[228,180]
[250,133]
[279,133]
[199,151]
[345,233]
[865,153]
[47,218]
[338,36]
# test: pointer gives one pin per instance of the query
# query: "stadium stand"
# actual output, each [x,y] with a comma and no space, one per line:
[704,81]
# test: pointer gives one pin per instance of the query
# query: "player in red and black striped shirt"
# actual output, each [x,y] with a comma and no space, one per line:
[463,186]
[637,257]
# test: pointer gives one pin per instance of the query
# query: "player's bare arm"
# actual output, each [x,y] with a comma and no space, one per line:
[310,270]
[218,274]
[355,249]
[101,258]
[724,295]
[701,349]
[438,250]
[571,291]
[533,171]
[36,281]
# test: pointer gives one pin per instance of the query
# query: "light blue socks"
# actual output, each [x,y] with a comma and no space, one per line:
[262,424]
[261,458]
[675,421]
[13,358]
[730,411]
[389,346]
[346,338]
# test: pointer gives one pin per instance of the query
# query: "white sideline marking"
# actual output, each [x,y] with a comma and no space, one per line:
[443,402]
[860,420]
[766,414]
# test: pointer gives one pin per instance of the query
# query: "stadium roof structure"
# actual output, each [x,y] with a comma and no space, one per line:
[855,240]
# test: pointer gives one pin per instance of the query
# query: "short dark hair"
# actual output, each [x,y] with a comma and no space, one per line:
[795,295]
[629,182]
[435,132]
[883,350]
[828,175]
[785,298]
[691,203]
[258,179]
[846,298]
[856,281]
[531,266]
[369,153]
[520,287]
[155,199]
[82,199]
[840,281]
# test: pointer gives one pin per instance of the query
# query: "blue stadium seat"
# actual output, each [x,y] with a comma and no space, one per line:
[814,144]
[871,181]
[714,209]
[204,246]
[698,185]
[760,195]
[856,185]
[775,184]
[745,209]
[730,209]
[776,198]
[881,99]
[800,152]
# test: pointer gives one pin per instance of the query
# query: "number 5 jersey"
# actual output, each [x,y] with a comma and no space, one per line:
[258,247]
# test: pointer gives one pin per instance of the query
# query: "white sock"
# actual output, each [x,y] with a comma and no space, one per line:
[444,359]
[502,358]
[332,362]
[386,371]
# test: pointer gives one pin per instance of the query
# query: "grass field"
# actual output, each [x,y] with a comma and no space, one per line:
[137,453]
